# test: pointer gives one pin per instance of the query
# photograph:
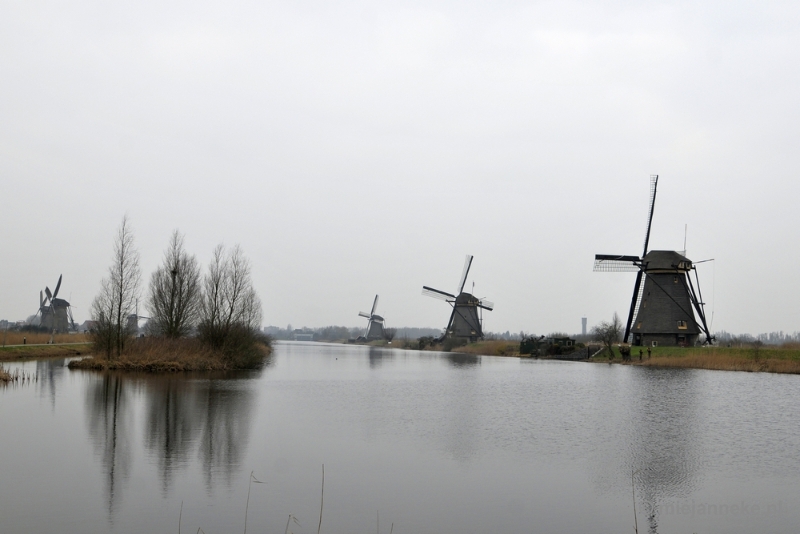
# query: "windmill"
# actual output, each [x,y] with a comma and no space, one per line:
[374,324]
[661,311]
[465,322]
[56,313]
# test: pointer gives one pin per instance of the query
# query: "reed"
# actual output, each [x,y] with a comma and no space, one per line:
[17,376]
[496,347]
[778,359]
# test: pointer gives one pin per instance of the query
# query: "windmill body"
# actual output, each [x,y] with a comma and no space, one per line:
[375,323]
[665,309]
[465,321]
[665,315]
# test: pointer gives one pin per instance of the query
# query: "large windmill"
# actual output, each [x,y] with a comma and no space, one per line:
[465,321]
[374,324]
[56,313]
[662,310]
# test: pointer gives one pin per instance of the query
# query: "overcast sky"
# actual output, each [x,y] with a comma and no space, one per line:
[355,148]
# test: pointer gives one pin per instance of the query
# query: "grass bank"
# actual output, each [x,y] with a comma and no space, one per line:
[38,338]
[177,355]
[26,352]
[784,359]
[490,348]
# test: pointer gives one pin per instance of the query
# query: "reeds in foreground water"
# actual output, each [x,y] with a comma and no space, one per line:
[18,376]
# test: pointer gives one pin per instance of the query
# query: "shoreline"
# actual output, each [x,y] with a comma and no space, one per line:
[25,352]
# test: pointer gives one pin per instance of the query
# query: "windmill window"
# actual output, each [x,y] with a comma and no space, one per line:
[683,325]
[654,343]
[638,325]
[674,279]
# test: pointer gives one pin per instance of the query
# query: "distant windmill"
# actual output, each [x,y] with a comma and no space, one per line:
[56,313]
[465,322]
[374,324]
[661,308]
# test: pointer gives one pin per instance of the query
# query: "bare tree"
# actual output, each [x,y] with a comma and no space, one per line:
[230,302]
[118,293]
[175,292]
[608,333]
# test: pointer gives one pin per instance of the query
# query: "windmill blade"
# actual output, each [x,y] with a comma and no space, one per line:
[467,264]
[435,293]
[362,314]
[58,286]
[47,292]
[638,288]
[41,300]
[609,263]
[653,188]
[486,304]
[374,305]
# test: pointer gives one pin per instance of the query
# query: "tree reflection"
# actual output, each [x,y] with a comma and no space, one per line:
[172,423]
[226,408]
[48,372]
[108,412]
[211,417]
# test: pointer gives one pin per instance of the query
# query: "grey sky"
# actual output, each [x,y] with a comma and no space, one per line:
[355,148]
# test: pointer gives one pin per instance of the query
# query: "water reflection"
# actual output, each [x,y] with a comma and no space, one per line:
[48,374]
[379,356]
[226,414]
[664,445]
[183,417]
[172,423]
[109,417]
[459,359]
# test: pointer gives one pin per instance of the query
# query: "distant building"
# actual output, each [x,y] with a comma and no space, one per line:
[301,335]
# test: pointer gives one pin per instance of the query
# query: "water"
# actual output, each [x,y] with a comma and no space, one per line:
[426,442]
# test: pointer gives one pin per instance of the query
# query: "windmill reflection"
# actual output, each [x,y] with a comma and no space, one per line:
[664,447]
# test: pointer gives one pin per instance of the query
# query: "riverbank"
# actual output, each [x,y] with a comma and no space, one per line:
[25,352]
[750,359]
[179,355]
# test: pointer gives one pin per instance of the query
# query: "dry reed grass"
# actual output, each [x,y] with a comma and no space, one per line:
[171,355]
[490,348]
[7,377]
[39,338]
[767,360]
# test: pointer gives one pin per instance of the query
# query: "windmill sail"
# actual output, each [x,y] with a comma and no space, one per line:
[467,264]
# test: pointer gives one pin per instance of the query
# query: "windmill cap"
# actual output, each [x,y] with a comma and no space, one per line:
[666,259]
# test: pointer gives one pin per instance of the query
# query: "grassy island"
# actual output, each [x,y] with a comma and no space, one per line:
[153,354]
